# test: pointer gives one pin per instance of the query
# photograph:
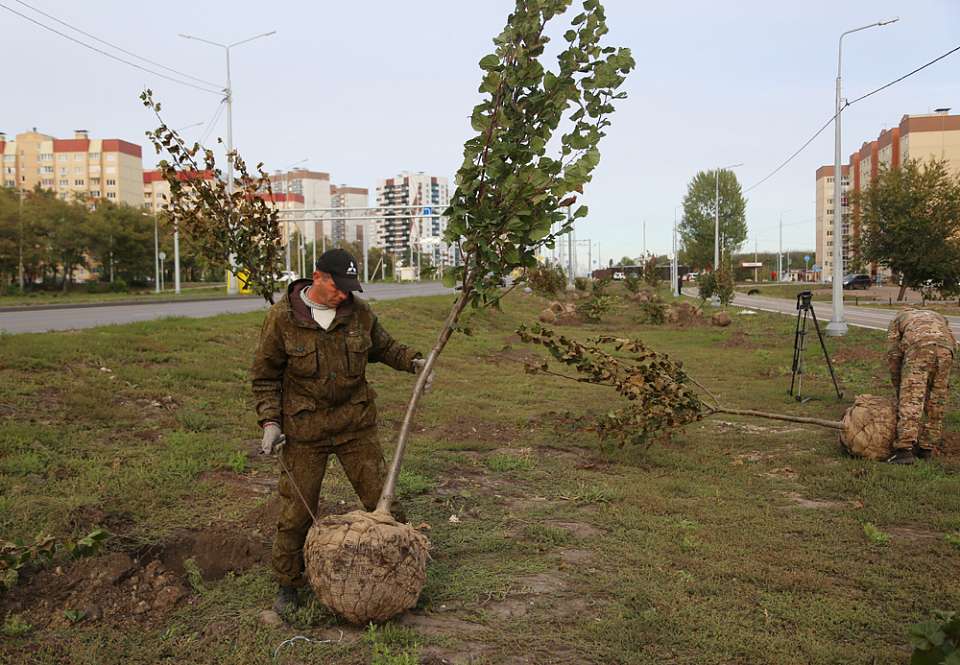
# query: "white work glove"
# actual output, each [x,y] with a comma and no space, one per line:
[418,365]
[273,438]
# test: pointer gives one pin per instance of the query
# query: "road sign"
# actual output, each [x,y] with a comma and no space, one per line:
[806,259]
[428,211]
[751,264]
[163,256]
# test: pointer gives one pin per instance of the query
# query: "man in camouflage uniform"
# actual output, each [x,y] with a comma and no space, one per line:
[920,348]
[312,397]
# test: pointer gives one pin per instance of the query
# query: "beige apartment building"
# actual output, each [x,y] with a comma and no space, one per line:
[313,188]
[345,228]
[923,137]
[156,191]
[80,167]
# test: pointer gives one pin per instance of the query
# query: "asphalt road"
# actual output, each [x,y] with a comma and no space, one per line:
[864,317]
[70,318]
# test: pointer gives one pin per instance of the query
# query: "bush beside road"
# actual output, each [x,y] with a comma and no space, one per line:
[722,545]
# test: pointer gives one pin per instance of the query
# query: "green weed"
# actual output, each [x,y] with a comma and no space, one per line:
[875,535]
[194,576]
[391,644]
[410,483]
[14,625]
[502,462]
[237,461]
[953,539]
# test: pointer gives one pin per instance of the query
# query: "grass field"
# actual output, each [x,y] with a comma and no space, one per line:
[736,542]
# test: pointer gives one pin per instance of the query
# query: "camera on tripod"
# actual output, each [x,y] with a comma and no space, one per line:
[805,309]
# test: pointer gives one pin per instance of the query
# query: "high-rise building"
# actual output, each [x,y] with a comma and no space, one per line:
[80,167]
[921,137]
[156,191]
[404,225]
[345,226]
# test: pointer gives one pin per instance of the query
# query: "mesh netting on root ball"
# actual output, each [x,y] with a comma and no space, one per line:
[366,566]
[869,427]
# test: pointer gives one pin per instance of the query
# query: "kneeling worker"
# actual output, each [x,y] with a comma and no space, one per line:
[920,349]
[310,388]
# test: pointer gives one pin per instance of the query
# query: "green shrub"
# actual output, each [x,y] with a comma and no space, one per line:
[706,285]
[600,286]
[596,308]
[547,280]
[936,641]
[581,283]
[650,275]
[632,282]
[653,312]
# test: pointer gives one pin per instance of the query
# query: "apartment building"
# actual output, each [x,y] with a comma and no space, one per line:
[156,191]
[402,228]
[80,167]
[826,202]
[345,226]
[313,187]
[923,137]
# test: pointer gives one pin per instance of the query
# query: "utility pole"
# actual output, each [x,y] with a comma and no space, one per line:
[838,326]
[156,256]
[570,248]
[755,260]
[644,239]
[232,285]
[20,243]
[176,258]
[675,264]
[780,253]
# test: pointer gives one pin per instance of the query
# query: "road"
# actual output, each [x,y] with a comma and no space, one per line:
[71,318]
[864,317]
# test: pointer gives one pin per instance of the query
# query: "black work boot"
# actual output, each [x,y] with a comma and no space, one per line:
[901,457]
[287,600]
[924,453]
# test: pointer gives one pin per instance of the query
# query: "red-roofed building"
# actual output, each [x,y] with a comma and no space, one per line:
[80,167]
[156,191]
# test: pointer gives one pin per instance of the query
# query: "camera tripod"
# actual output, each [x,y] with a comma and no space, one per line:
[805,309]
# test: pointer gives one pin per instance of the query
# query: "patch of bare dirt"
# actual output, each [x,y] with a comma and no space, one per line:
[781,473]
[804,503]
[911,534]
[253,484]
[575,557]
[858,353]
[739,340]
[216,551]
[578,529]
[471,428]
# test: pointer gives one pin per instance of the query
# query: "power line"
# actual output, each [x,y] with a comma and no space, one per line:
[846,104]
[109,55]
[114,46]
[905,76]
[213,121]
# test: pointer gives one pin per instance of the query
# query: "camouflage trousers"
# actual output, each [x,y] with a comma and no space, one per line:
[362,460]
[924,380]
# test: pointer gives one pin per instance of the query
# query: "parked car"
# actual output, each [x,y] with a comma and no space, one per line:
[857,282]
[619,275]
[287,276]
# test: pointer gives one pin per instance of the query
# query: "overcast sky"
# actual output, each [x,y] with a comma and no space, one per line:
[365,89]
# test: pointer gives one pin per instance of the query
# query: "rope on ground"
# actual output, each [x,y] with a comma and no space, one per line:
[304,638]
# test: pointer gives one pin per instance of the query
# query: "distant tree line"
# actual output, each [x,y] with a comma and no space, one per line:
[62,240]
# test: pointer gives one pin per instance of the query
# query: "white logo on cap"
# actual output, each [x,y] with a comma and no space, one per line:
[352,269]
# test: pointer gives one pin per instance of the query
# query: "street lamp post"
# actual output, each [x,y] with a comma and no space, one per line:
[156,255]
[232,286]
[716,225]
[838,326]
[675,263]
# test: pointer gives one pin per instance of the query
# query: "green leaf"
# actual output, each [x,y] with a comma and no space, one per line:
[570,35]
[488,62]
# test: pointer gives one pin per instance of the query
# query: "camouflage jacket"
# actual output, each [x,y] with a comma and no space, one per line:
[913,329]
[312,381]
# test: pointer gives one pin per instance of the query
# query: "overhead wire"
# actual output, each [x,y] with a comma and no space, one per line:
[845,105]
[108,54]
[114,46]
[213,121]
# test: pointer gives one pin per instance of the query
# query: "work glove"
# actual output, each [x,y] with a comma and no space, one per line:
[273,438]
[418,365]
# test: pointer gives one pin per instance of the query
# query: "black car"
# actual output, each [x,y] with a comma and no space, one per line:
[857,282]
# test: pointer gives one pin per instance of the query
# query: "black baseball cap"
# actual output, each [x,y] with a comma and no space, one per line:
[340,265]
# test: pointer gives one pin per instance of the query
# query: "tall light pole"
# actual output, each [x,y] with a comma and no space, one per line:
[716,225]
[675,264]
[838,326]
[232,286]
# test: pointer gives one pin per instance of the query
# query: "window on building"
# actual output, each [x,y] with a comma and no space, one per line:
[147,195]
[95,193]
[830,201]
[829,178]
[111,157]
[78,183]
[64,183]
[111,183]
[111,169]
[94,155]
[94,181]
[829,212]
[78,170]
[63,157]
[79,156]
[48,169]
[46,156]
[9,159]
[48,183]
[147,206]
[9,170]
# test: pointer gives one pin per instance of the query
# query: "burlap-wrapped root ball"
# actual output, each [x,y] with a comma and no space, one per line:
[366,566]
[869,427]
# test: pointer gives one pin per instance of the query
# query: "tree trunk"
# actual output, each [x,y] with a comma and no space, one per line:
[832,424]
[389,486]
[903,291]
